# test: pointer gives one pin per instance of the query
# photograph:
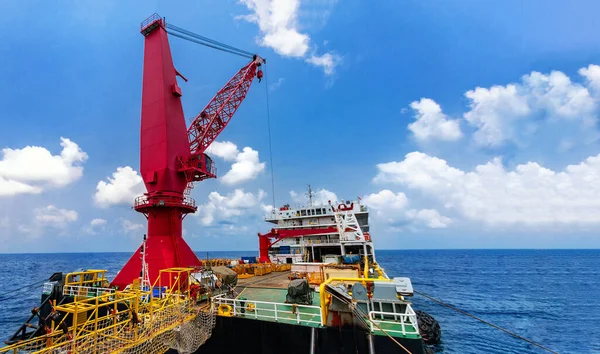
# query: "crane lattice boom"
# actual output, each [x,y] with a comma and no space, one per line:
[218,112]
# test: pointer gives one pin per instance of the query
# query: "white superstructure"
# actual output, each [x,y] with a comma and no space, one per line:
[315,233]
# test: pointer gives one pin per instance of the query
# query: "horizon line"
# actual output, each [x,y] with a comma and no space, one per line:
[381,249]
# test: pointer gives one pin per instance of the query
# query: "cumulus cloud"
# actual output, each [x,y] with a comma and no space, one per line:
[529,195]
[510,113]
[122,188]
[277,21]
[391,208]
[592,76]
[225,150]
[386,199]
[55,217]
[247,165]
[429,217]
[31,169]
[10,188]
[221,208]
[431,123]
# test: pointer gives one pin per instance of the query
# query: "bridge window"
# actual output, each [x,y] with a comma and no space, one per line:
[303,212]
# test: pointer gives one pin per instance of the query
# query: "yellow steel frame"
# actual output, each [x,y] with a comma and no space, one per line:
[174,303]
[326,298]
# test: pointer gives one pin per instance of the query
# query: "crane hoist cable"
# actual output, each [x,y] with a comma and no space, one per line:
[211,43]
[270,143]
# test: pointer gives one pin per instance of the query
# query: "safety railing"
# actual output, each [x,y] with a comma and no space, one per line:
[164,200]
[87,291]
[391,321]
[272,311]
[147,22]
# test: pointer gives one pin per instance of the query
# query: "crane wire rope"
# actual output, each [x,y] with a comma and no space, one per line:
[208,45]
[485,322]
[270,141]
[205,41]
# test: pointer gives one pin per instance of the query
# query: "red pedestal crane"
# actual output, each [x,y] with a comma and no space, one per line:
[172,156]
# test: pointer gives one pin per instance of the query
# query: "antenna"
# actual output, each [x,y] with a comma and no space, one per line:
[309,194]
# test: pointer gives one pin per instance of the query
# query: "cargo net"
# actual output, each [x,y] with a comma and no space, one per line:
[154,328]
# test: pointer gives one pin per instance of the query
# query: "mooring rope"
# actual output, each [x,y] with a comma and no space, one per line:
[485,322]
[25,287]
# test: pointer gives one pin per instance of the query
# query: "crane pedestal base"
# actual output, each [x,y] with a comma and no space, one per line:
[161,252]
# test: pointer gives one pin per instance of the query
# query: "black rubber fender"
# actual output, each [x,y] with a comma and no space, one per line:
[429,328]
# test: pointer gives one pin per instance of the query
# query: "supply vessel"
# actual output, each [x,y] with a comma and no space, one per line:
[316,286]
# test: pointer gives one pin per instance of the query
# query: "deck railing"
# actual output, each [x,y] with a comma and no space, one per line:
[88,291]
[271,311]
[390,320]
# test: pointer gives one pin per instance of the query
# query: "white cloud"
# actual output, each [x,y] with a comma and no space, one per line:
[592,76]
[319,197]
[226,150]
[130,227]
[278,24]
[429,217]
[55,217]
[122,188]
[327,61]
[221,208]
[529,195]
[432,123]
[387,205]
[95,226]
[386,199]
[511,113]
[391,208]
[10,188]
[98,222]
[31,169]
[247,167]
[493,112]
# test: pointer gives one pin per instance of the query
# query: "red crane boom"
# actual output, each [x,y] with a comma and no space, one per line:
[207,126]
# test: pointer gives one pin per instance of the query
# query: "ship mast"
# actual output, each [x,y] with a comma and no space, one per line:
[309,194]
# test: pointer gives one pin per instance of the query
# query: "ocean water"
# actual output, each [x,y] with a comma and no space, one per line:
[549,296]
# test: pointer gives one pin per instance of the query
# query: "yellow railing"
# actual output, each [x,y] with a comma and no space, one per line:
[114,322]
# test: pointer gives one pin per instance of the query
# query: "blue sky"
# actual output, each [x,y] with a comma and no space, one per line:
[462,124]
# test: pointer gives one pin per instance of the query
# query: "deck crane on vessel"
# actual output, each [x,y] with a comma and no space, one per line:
[172,156]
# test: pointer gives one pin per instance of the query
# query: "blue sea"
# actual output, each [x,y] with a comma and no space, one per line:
[549,296]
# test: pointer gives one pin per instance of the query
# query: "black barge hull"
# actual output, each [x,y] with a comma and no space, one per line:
[246,336]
